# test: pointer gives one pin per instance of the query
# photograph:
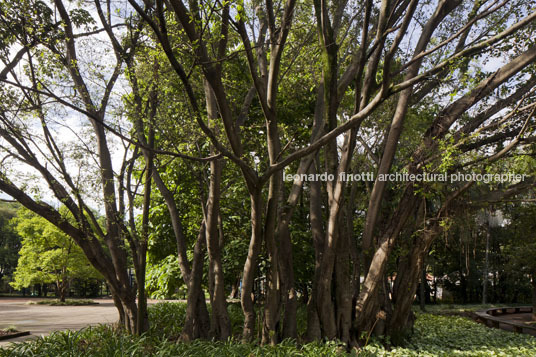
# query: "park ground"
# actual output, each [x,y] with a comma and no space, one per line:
[41,320]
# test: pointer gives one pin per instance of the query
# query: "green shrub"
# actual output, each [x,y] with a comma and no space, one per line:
[166,319]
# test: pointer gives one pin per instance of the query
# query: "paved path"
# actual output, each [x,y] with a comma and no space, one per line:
[517,318]
[43,319]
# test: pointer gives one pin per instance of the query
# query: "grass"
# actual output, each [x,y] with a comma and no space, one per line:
[9,329]
[454,309]
[434,335]
[67,302]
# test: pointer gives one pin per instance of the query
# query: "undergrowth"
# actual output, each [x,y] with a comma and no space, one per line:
[434,335]
[67,302]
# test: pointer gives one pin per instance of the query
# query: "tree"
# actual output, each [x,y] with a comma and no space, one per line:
[48,256]
[53,81]
[367,74]
[9,241]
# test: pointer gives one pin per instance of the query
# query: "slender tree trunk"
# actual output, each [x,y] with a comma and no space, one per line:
[534,297]
[289,301]
[343,286]
[486,261]
[273,292]
[235,289]
[142,323]
[248,276]
[220,326]
[61,290]
[315,213]
[422,291]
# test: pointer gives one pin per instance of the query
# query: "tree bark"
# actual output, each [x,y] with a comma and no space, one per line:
[407,278]
[534,297]
[246,298]
[197,324]
[314,331]
[220,327]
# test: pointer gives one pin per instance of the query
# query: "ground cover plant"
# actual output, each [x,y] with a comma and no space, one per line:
[171,145]
[433,335]
[67,302]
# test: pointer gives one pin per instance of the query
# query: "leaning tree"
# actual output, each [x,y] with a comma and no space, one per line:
[58,109]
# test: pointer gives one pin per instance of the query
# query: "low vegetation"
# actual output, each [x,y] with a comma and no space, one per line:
[9,329]
[434,335]
[67,302]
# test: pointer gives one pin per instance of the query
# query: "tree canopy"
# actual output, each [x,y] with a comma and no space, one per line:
[48,256]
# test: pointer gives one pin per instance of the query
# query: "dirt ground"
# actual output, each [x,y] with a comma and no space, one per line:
[43,319]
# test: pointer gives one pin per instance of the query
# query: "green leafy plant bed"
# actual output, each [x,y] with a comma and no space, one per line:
[67,302]
[433,335]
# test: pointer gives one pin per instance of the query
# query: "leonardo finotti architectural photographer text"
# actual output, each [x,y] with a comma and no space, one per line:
[406,177]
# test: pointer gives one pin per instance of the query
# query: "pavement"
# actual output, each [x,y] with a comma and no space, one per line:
[520,318]
[41,320]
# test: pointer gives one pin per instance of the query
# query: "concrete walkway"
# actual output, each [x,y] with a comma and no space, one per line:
[41,320]
[520,318]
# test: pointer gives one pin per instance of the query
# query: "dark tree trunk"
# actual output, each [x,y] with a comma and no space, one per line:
[343,286]
[315,214]
[289,302]
[422,289]
[272,302]
[409,269]
[235,288]
[247,299]
[534,297]
[196,324]
[220,324]
[367,306]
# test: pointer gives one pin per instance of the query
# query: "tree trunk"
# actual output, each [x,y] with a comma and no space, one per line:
[61,285]
[486,260]
[220,324]
[366,306]
[128,311]
[142,322]
[336,191]
[343,286]
[248,276]
[273,293]
[534,297]
[409,269]
[315,214]
[235,289]
[422,291]
[289,302]
[220,328]
[196,324]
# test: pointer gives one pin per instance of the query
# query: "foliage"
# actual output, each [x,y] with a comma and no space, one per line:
[10,241]
[163,279]
[67,302]
[433,336]
[47,255]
